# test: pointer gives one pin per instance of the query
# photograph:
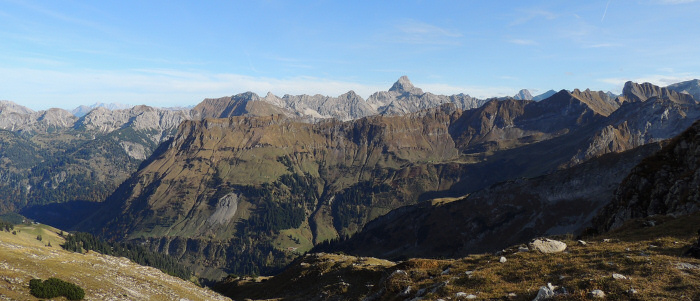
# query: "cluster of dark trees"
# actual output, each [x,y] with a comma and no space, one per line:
[80,242]
[8,227]
[350,205]
[279,205]
[54,287]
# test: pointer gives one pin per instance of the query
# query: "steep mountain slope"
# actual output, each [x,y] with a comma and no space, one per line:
[502,215]
[516,210]
[260,189]
[54,157]
[78,159]
[664,184]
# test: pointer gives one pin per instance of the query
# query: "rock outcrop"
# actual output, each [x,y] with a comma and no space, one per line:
[665,183]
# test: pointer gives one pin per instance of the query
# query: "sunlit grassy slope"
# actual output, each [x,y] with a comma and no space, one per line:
[23,257]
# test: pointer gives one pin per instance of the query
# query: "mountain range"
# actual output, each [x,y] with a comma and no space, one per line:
[260,189]
[244,184]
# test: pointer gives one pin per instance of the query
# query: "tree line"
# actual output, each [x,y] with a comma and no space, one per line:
[81,242]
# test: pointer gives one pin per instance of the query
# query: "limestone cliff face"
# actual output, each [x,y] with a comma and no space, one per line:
[665,183]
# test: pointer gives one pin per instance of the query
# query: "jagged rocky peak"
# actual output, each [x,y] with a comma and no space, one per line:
[691,87]
[523,94]
[404,85]
[641,92]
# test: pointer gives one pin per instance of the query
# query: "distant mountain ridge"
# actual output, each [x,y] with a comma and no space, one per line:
[82,110]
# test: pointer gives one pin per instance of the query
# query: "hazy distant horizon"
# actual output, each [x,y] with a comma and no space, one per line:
[177,54]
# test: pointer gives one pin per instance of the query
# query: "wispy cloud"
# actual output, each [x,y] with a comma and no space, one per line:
[525,16]
[416,32]
[603,45]
[522,42]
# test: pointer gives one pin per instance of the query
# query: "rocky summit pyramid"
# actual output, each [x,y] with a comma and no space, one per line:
[523,94]
[404,85]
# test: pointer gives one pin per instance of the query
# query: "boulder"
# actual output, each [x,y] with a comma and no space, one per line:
[597,294]
[545,293]
[546,245]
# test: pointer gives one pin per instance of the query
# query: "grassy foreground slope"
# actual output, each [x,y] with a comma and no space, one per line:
[23,257]
[649,257]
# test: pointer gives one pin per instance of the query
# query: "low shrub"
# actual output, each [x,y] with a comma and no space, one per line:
[54,287]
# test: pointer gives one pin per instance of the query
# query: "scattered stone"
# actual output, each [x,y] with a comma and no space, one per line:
[461,295]
[649,223]
[597,294]
[546,245]
[445,272]
[469,273]
[512,295]
[470,296]
[545,292]
[503,259]
[606,240]
[617,276]
[632,291]
[686,266]
[406,291]
[523,249]
[582,243]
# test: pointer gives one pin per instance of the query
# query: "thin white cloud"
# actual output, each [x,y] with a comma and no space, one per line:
[525,16]
[522,42]
[416,32]
[603,45]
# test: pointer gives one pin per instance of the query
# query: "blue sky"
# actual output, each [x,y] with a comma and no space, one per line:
[176,53]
